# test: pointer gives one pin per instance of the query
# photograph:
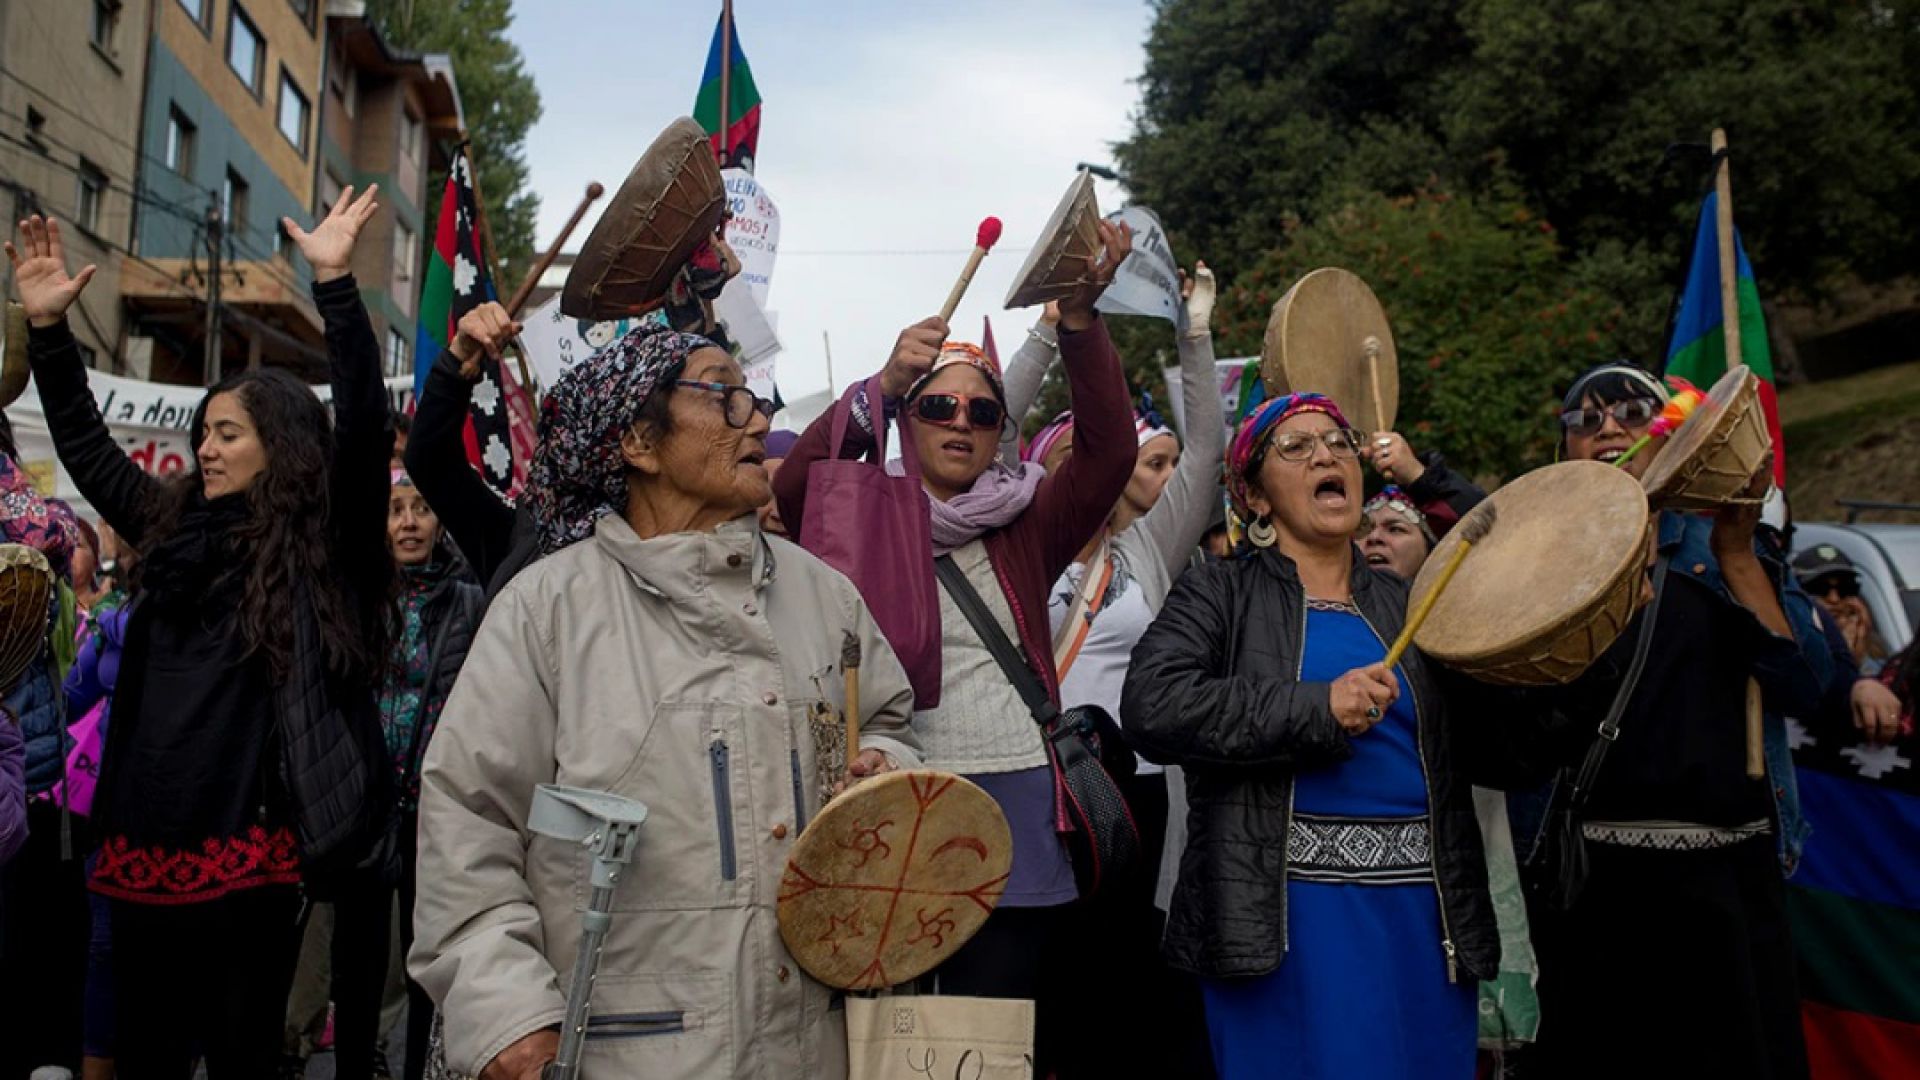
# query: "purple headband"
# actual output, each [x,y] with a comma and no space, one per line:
[577,473]
[1253,434]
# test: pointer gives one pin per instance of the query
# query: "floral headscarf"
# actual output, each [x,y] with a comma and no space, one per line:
[1254,432]
[577,473]
[1392,498]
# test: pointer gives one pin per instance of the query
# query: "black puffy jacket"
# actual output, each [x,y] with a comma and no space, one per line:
[1213,688]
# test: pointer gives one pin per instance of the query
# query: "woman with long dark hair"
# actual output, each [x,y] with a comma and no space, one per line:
[243,750]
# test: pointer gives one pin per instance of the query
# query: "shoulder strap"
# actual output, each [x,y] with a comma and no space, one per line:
[1087,602]
[994,637]
[1609,730]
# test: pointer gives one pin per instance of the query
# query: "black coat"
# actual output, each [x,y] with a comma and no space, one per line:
[496,540]
[1213,687]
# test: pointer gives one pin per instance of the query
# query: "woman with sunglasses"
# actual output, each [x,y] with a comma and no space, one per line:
[1096,612]
[1333,858]
[663,648]
[1011,532]
[1684,910]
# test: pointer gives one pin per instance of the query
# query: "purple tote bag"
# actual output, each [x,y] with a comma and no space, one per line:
[876,530]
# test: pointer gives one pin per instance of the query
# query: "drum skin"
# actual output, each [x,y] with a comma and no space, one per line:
[25,582]
[669,204]
[892,878]
[1068,247]
[1710,460]
[1329,335]
[1551,587]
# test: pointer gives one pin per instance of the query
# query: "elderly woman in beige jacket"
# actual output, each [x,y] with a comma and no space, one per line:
[666,650]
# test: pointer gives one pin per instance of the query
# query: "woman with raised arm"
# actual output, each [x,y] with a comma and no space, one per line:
[243,752]
[1097,611]
[1011,533]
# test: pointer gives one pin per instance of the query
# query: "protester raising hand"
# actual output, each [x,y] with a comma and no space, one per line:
[484,331]
[41,273]
[914,352]
[329,247]
[1076,309]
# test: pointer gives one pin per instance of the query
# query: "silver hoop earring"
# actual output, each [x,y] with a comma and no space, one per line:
[1261,532]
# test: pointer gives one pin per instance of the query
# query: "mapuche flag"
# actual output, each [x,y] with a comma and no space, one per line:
[743,101]
[1698,352]
[458,281]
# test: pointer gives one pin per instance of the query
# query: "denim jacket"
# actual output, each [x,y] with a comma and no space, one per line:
[1793,674]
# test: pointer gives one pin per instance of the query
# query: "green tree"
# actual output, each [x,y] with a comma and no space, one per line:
[499,100]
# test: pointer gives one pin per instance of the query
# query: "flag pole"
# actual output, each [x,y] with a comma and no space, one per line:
[1730,330]
[726,80]
[486,251]
[827,344]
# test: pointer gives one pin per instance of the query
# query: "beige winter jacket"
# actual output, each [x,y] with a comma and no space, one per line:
[677,671]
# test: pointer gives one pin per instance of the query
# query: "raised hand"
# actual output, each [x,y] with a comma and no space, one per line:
[1198,291]
[484,331]
[329,247]
[1116,243]
[1393,457]
[40,272]
[914,352]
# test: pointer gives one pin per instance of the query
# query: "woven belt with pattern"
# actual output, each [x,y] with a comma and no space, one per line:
[1672,835]
[1359,851]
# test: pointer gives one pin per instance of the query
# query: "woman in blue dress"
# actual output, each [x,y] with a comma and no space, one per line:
[1332,896]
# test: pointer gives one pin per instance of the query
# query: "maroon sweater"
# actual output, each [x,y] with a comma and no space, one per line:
[1070,506]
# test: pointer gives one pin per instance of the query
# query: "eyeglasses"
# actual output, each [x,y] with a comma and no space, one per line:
[737,403]
[944,409]
[1634,413]
[1846,586]
[1298,445]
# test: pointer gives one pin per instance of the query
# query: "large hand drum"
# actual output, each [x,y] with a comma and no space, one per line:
[1069,246]
[892,878]
[25,582]
[1329,335]
[1549,589]
[1711,459]
[671,202]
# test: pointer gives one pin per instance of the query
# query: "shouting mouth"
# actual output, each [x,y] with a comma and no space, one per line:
[1331,492]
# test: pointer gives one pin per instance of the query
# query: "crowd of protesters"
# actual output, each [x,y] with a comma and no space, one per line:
[292,706]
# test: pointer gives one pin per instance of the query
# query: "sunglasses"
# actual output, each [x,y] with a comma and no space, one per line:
[1845,585]
[1635,413]
[944,409]
[1298,445]
[737,403]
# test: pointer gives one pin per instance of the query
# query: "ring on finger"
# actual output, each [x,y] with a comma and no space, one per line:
[1373,712]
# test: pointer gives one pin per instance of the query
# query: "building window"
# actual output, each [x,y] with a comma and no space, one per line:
[396,354]
[282,243]
[245,49]
[340,78]
[197,10]
[330,188]
[106,19]
[37,129]
[406,252]
[409,135]
[293,112]
[233,196]
[180,134]
[304,9]
[93,192]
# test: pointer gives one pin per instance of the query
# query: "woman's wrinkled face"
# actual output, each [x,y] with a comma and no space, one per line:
[1612,440]
[704,458]
[231,453]
[953,456]
[1391,542]
[412,526]
[1315,500]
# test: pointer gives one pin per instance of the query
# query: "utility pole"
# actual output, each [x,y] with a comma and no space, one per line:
[214,243]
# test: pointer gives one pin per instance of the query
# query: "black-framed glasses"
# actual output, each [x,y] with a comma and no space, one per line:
[943,409]
[1632,413]
[1298,445]
[737,403]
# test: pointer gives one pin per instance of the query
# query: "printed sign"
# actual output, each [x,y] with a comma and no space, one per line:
[1148,282]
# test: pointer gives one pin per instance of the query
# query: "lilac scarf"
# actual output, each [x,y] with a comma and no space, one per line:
[996,498]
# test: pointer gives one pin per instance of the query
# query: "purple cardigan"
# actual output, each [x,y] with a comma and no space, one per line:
[1071,505]
[13,789]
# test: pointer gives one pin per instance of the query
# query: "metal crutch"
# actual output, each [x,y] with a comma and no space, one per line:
[607,826]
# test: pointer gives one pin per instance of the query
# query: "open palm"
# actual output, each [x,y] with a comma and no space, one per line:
[329,247]
[40,271]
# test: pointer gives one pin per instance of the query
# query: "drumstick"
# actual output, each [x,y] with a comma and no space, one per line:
[1472,531]
[983,242]
[1372,347]
[850,665]
[1756,750]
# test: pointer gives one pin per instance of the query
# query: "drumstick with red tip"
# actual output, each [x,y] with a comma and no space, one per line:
[1477,524]
[983,242]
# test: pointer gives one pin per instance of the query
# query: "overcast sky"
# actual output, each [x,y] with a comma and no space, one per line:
[888,130]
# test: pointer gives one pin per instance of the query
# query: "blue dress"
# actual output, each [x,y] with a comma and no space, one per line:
[1362,991]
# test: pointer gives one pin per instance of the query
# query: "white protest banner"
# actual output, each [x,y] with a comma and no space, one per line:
[555,342]
[753,232]
[149,420]
[1148,282]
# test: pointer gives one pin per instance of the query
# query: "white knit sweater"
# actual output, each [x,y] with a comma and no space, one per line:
[981,725]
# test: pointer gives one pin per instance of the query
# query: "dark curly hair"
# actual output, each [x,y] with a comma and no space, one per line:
[290,533]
